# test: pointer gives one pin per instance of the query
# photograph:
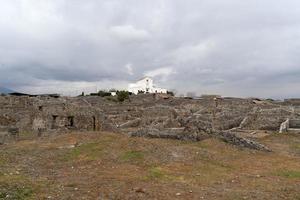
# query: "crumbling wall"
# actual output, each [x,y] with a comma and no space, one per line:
[144,115]
[284,126]
[49,114]
[266,119]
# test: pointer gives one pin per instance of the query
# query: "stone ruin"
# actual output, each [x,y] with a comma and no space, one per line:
[148,115]
[197,119]
[46,115]
[290,125]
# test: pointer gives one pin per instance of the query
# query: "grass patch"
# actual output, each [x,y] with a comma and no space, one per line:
[159,174]
[217,165]
[17,187]
[3,160]
[295,149]
[207,172]
[289,174]
[89,151]
[132,156]
[202,144]
[26,134]
[16,192]
[111,98]
[156,173]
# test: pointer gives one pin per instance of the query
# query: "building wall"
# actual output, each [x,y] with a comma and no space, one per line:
[146,85]
[38,114]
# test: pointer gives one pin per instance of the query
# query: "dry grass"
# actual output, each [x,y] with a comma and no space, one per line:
[113,166]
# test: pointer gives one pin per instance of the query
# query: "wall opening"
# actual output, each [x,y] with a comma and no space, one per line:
[40,108]
[71,121]
[54,119]
[294,123]
[94,123]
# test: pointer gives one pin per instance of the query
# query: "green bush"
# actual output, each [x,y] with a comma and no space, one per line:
[111,98]
[170,93]
[103,93]
[122,95]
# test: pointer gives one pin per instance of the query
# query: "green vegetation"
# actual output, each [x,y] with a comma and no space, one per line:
[89,151]
[295,146]
[4,158]
[17,187]
[170,93]
[289,174]
[132,156]
[38,169]
[122,95]
[26,134]
[156,173]
[103,93]
[111,98]
[15,192]
[112,90]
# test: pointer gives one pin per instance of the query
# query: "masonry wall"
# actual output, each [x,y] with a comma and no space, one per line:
[48,114]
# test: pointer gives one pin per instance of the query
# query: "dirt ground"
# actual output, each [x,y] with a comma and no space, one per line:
[113,166]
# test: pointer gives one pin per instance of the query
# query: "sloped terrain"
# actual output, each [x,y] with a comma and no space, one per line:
[102,165]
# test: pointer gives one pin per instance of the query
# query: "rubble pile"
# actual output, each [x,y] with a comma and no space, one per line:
[189,119]
[46,115]
[147,115]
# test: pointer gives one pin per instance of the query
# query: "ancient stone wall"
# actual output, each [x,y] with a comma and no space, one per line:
[49,114]
[149,115]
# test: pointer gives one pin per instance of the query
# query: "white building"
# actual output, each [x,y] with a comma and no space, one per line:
[145,85]
[113,93]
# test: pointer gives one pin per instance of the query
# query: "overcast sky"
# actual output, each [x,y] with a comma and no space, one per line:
[227,47]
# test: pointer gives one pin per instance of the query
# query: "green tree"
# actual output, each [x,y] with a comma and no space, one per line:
[103,93]
[122,95]
[170,93]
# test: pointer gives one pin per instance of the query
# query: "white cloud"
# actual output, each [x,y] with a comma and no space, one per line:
[247,47]
[192,52]
[129,69]
[162,72]
[71,88]
[128,33]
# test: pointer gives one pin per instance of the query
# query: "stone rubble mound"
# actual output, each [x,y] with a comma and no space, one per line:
[148,115]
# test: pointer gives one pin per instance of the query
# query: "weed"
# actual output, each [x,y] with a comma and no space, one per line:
[289,174]
[156,173]
[15,192]
[132,156]
[111,98]
[26,134]
[2,161]
[89,151]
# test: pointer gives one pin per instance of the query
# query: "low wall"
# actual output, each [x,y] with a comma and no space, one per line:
[284,126]
[289,124]
[294,123]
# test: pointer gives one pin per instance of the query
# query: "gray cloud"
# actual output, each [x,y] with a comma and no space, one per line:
[212,46]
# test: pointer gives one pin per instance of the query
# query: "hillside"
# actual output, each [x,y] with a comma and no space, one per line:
[114,166]
[4,90]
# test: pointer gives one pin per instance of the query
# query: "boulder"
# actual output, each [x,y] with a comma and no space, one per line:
[132,123]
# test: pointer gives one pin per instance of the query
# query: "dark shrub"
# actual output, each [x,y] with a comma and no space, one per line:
[170,93]
[122,95]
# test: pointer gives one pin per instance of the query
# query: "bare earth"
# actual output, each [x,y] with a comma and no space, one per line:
[114,166]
